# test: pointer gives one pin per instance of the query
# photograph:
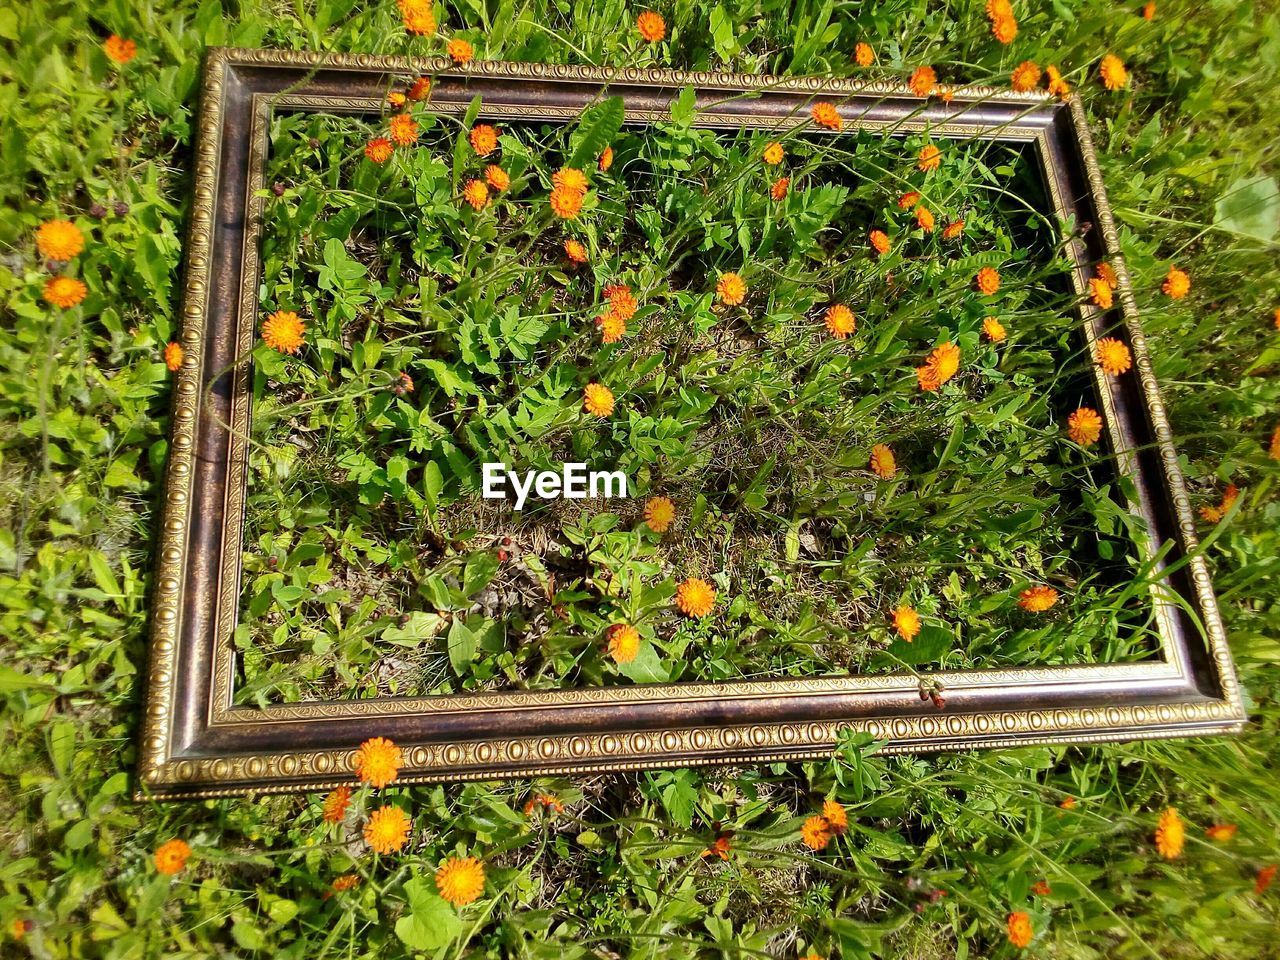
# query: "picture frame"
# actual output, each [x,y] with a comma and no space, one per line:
[197,743]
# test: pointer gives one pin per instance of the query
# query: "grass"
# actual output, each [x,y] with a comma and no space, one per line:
[1187,150]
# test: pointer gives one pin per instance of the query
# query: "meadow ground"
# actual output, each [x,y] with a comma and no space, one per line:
[1051,852]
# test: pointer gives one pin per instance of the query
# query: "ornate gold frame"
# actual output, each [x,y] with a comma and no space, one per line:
[196,743]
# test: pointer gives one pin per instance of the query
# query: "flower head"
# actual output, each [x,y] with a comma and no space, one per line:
[378,150]
[1025,76]
[651,26]
[1221,832]
[1004,28]
[476,193]
[460,880]
[1041,888]
[621,300]
[1171,834]
[906,622]
[348,881]
[836,816]
[1176,283]
[731,289]
[404,129]
[839,320]
[173,356]
[335,805]
[923,80]
[924,218]
[939,366]
[721,847]
[1037,599]
[1149,10]
[816,832]
[659,514]
[421,87]
[1021,933]
[497,177]
[1113,72]
[396,99]
[773,153]
[863,55]
[1113,356]
[1263,880]
[613,327]
[484,139]
[908,200]
[1100,293]
[987,280]
[1057,85]
[597,399]
[1068,803]
[695,597]
[930,158]
[377,762]
[993,330]
[64,292]
[1107,273]
[1229,497]
[566,203]
[387,829]
[606,160]
[1084,426]
[826,115]
[459,51]
[883,464]
[171,857]
[1273,451]
[879,242]
[119,49]
[547,801]
[569,178]
[953,229]
[575,250]
[623,642]
[283,331]
[779,189]
[59,240]
[419,17]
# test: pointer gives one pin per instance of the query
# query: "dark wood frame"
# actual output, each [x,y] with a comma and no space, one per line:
[196,742]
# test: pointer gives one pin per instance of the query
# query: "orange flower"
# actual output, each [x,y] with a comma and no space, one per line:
[404,129]
[597,399]
[883,464]
[930,158]
[59,240]
[946,93]
[816,833]
[1274,450]
[566,204]
[825,115]
[987,280]
[840,321]
[908,200]
[621,300]
[998,8]
[484,139]
[1229,497]
[1084,426]
[612,327]
[606,160]
[923,80]
[695,597]
[1041,888]
[419,18]
[1108,273]
[575,251]
[1171,834]
[1263,880]
[119,49]
[773,153]
[548,802]
[623,642]
[1275,318]
[378,150]
[171,857]
[387,830]
[836,816]
[284,331]
[459,51]
[1149,10]
[731,289]
[475,193]
[173,356]
[421,87]
[569,178]
[721,847]
[659,514]
[397,99]
[1057,86]
[1114,75]
[651,26]
[863,55]
[460,880]
[1004,29]
[64,292]
[1221,832]
[993,330]
[1037,599]
[1068,803]
[1113,356]
[779,189]
[1021,932]
[953,230]
[880,242]
[335,805]
[377,762]
[497,177]
[1026,76]
[924,219]
[1100,292]
[1176,283]
[939,367]
[348,881]
[906,622]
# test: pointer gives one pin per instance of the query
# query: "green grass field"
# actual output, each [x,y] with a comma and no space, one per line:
[354,547]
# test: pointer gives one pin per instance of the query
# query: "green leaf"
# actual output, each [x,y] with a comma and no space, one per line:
[1251,206]
[462,647]
[597,128]
[430,923]
[931,643]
